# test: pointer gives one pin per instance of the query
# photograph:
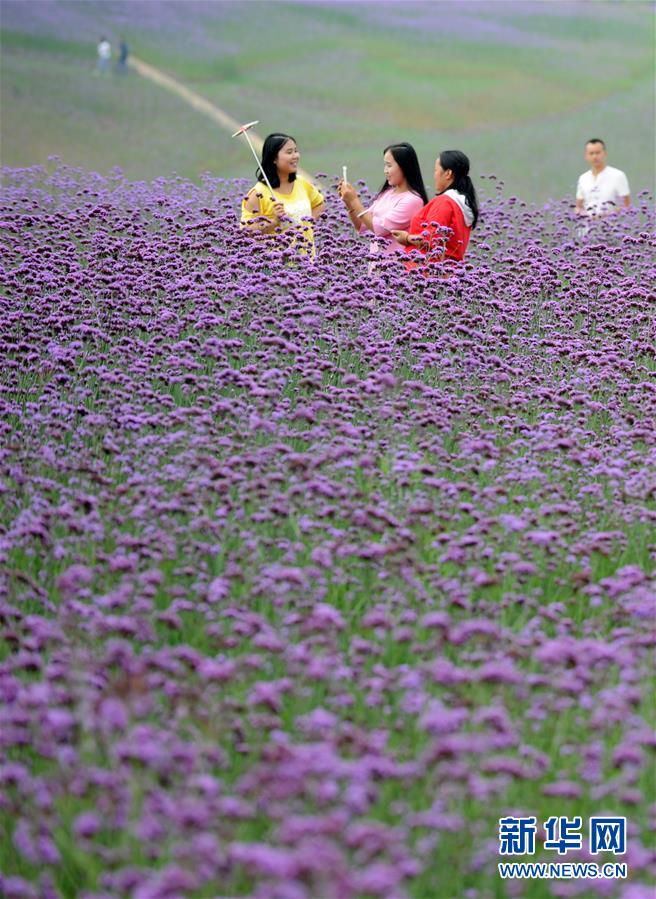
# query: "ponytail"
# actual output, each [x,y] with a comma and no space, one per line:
[458,163]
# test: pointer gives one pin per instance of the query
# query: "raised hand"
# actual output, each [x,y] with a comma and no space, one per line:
[347,192]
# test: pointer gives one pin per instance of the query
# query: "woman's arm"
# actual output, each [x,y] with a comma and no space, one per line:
[409,240]
[367,220]
[262,223]
[318,210]
[434,220]
[354,207]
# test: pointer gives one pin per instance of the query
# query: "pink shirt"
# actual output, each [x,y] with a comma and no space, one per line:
[392,212]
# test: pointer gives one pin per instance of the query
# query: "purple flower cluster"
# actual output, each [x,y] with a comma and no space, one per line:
[308,575]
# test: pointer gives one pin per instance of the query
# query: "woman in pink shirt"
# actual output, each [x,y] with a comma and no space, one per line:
[402,195]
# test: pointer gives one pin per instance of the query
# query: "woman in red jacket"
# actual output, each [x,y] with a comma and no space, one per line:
[441,230]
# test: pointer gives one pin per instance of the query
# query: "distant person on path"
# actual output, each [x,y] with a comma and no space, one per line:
[104,51]
[440,231]
[294,200]
[402,195]
[603,189]
[123,52]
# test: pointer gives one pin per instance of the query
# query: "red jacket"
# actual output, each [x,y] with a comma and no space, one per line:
[445,212]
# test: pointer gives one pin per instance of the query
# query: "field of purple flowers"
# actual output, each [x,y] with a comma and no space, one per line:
[308,577]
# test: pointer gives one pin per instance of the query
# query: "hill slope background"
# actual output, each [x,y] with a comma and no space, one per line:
[519,86]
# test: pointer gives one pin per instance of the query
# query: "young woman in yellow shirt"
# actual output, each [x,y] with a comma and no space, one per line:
[294,200]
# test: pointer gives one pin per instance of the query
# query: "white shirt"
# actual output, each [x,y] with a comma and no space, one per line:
[603,192]
[105,50]
[299,208]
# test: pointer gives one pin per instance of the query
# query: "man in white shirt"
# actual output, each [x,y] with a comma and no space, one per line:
[104,50]
[602,189]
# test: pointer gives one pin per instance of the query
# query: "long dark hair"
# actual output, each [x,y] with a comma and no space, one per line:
[458,163]
[406,159]
[272,146]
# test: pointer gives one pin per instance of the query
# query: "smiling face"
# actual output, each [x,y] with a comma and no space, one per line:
[443,177]
[287,159]
[392,170]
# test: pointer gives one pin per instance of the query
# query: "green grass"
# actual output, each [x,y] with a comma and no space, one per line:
[346,86]
[95,123]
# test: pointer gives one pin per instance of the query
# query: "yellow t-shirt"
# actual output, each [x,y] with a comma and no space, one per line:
[298,205]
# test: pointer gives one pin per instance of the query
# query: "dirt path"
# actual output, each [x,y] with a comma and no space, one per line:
[199,103]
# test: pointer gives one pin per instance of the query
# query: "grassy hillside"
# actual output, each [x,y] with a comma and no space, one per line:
[100,123]
[519,86]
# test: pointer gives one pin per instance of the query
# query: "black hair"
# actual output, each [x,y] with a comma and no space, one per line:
[406,158]
[595,140]
[458,164]
[272,146]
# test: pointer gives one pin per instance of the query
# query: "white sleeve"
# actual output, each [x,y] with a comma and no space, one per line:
[622,185]
[579,190]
